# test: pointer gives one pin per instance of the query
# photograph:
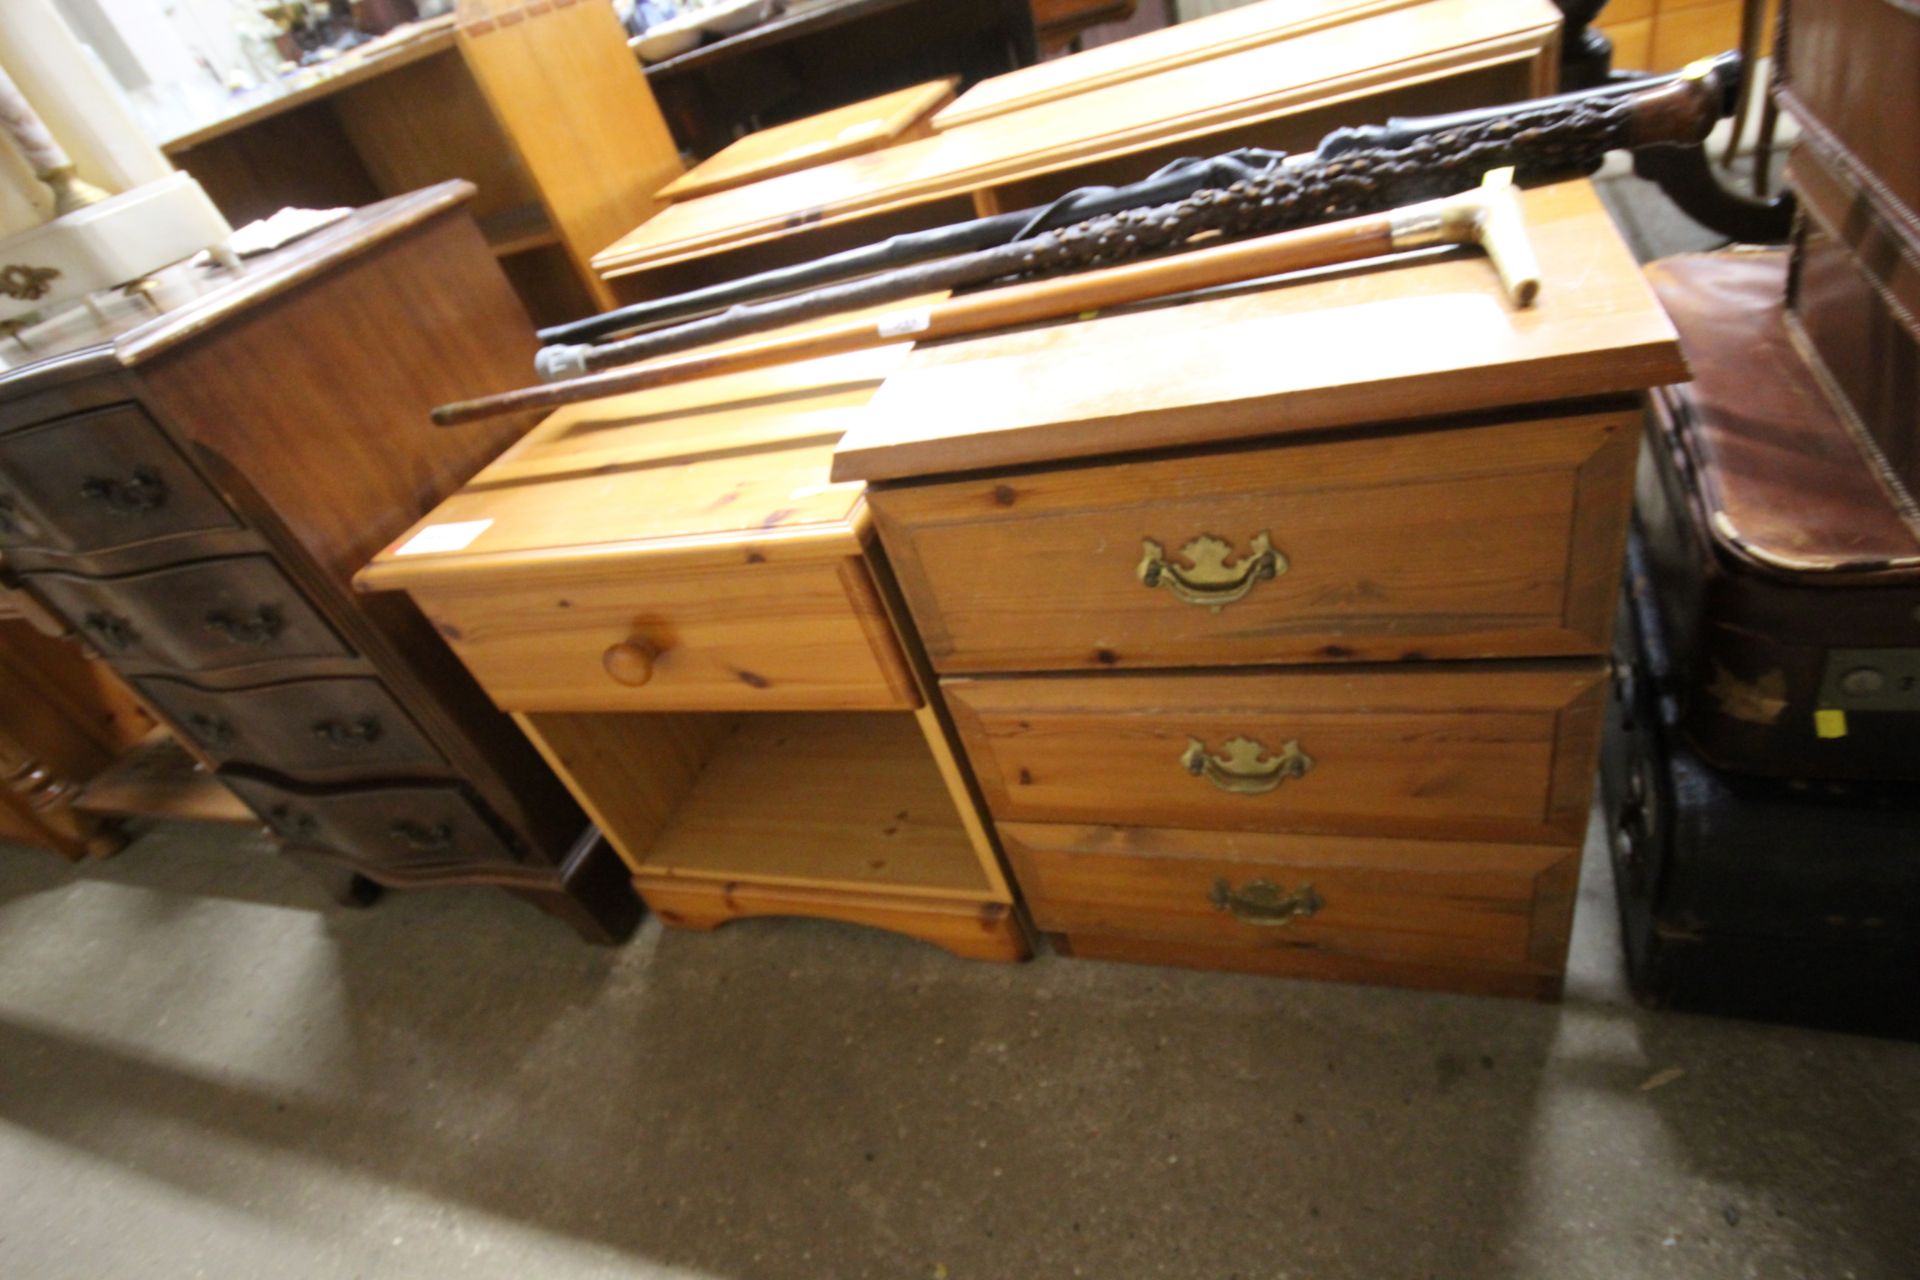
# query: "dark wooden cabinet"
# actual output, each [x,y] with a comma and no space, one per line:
[193,489]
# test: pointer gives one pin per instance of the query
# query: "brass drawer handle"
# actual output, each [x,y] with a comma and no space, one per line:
[437,838]
[1208,578]
[363,732]
[1243,766]
[258,630]
[110,629]
[145,491]
[1263,903]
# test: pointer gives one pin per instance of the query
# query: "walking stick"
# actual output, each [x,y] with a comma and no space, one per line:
[1488,216]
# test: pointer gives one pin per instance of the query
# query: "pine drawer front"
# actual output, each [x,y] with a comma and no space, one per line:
[306,728]
[402,829]
[801,635]
[1423,901]
[213,615]
[1473,542]
[99,480]
[1485,753]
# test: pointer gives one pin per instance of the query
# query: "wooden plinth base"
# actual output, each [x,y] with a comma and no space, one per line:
[973,931]
[1301,962]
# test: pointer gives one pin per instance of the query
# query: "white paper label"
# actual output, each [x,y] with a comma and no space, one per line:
[902,323]
[455,536]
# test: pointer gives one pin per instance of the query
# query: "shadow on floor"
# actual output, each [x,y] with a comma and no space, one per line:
[805,1101]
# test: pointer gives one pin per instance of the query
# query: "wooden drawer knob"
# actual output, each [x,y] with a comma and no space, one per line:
[630,662]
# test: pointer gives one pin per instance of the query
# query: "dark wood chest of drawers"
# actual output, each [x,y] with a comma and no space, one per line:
[192,491]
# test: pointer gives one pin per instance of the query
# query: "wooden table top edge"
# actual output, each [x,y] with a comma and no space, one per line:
[794,543]
[1464,393]
[271,274]
[435,36]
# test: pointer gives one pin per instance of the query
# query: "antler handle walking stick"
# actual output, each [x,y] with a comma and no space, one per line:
[1488,216]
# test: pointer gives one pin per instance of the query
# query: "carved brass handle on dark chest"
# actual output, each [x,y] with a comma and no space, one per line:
[214,731]
[1244,766]
[110,629]
[140,493]
[1211,575]
[348,734]
[1263,903]
[256,629]
[295,824]
[422,838]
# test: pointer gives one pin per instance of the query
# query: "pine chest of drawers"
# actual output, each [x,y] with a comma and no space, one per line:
[191,489]
[1273,623]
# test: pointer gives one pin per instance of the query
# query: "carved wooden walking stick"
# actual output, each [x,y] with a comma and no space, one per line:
[1488,216]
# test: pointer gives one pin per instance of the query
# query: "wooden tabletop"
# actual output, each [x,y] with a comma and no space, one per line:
[192,298]
[1214,36]
[730,466]
[1431,38]
[845,131]
[396,49]
[1420,336]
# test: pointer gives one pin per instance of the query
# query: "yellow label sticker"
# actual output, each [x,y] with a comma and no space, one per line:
[1830,722]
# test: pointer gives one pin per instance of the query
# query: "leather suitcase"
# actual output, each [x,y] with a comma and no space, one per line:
[1750,897]
[1788,562]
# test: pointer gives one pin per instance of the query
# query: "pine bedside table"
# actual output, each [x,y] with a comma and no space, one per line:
[692,624]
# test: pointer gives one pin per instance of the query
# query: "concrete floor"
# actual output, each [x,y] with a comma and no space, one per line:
[206,1070]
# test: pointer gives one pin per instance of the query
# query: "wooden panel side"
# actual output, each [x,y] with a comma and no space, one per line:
[986,931]
[1597,544]
[317,398]
[426,123]
[573,99]
[629,772]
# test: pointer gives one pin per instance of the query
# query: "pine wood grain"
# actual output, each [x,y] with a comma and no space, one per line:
[1439,752]
[734,465]
[1423,44]
[851,130]
[1420,901]
[629,772]
[1213,36]
[821,801]
[1416,339]
[597,171]
[983,931]
[1499,540]
[742,637]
